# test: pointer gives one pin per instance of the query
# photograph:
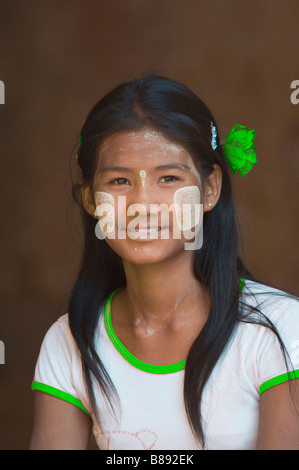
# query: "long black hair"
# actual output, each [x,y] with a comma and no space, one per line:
[170,107]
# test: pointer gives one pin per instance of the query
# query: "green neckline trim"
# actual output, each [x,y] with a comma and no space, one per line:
[59,394]
[241,283]
[134,361]
[279,379]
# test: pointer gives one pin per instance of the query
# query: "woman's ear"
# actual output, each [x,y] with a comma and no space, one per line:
[87,197]
[213,188]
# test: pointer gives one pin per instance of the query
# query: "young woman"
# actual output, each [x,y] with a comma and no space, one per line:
[169,342]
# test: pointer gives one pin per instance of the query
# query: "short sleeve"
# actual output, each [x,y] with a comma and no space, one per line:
[58,367]
[271,362]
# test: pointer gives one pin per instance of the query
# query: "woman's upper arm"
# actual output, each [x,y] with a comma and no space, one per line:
[279,417]
[58,425]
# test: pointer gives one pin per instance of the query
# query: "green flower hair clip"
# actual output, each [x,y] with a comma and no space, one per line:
[239,149]
[79,141]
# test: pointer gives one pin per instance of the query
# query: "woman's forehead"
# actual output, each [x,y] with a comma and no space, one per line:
[140,145]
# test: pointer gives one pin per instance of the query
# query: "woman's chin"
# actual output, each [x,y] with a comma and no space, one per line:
[145,252]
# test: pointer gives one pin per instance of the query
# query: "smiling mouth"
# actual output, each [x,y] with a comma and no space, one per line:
[145,233]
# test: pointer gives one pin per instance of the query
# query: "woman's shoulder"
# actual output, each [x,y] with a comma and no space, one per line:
[62,321]
[273,309]
[60,332]
[271,301]
[60,325]
[59,335]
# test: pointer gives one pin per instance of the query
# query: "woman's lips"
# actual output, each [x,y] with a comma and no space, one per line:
[146,231]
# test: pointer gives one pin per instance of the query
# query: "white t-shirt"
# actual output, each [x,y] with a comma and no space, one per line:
[152,414]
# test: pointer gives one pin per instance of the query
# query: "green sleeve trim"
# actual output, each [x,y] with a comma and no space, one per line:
[59,394]
[279,379]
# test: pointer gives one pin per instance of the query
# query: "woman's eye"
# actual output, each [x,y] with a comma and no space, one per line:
[119,181]
[169,179]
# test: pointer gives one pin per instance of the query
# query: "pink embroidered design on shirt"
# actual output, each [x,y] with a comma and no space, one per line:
[144,438]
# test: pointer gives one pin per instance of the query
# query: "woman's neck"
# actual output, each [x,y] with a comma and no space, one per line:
[165,294]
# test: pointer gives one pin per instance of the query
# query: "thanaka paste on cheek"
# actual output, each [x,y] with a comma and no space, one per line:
[186,201]
[105,205]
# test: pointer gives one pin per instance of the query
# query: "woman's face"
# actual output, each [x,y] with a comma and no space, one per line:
[141,182]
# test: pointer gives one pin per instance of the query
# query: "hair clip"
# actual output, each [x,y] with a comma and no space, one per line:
[239,149]
[214,135]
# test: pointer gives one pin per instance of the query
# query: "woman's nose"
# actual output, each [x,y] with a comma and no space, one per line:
[142,195]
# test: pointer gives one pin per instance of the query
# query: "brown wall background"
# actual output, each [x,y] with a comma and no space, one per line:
[57,58]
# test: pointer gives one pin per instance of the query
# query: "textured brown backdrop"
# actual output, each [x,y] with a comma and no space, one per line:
[57,58]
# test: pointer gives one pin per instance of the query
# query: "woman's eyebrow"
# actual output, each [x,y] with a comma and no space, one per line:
[114,168]
[172,166]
